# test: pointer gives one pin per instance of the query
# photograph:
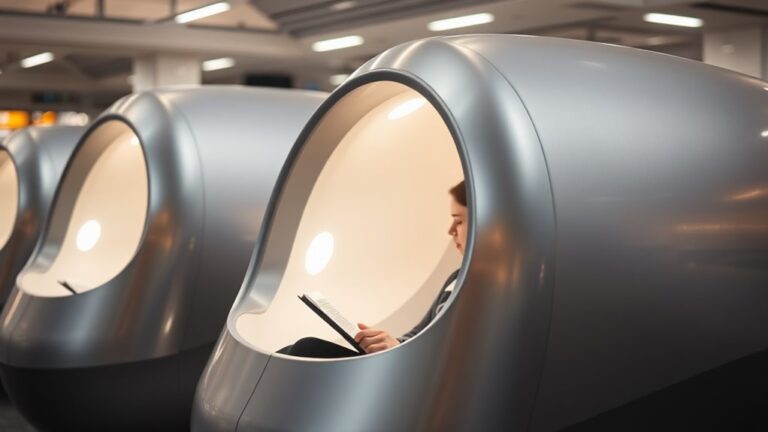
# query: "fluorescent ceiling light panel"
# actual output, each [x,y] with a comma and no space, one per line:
[459,22]
[202,12]
[338,43]
[343,5]
[219,63]
[675,20]
[37,60]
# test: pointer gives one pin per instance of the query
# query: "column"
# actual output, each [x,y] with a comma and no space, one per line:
[161,70]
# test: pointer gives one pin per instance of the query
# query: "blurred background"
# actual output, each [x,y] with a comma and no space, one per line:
[64,61]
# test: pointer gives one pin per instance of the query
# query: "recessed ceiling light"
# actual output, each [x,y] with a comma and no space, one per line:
[203,12]
[37,60]
[219,63]
[338,79]
[343,5]
[337,43]
[656,40]
[459,22]
[675,20]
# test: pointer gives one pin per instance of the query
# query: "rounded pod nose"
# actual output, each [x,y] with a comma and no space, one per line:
[149,239]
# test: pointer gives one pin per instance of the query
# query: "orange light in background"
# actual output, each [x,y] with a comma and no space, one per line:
[13,119]
[47,118]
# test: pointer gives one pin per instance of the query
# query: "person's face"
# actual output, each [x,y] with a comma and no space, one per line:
[458,228]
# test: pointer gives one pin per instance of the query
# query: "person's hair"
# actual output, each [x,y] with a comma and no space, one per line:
[459,193]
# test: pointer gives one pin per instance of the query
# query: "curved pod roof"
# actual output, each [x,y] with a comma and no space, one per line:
[613,193]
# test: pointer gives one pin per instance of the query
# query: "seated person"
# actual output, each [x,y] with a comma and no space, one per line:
[374,340]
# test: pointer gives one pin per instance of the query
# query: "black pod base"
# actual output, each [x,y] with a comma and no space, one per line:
[731,397]
[147,395]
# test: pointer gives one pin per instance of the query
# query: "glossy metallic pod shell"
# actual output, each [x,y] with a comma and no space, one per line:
[131,348]
[618,209]
[39,155]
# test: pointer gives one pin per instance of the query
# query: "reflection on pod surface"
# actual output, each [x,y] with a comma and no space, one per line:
[577,295]
[149,239]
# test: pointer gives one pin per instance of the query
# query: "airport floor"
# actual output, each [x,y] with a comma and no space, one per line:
[10,419]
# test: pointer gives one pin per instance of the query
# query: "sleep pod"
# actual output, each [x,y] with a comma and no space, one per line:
[616,255]
[31,162]
[152,227]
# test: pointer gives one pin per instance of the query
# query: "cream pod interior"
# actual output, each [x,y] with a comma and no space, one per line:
[31,163]
[617,202]
[373,235]
[106,195]
[150,236]
[9,187]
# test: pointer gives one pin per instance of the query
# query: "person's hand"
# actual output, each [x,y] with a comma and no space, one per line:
[374,340]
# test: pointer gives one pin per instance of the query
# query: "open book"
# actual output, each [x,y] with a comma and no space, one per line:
[325,310]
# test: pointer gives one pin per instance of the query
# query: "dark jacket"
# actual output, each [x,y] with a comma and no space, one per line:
[433,310]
